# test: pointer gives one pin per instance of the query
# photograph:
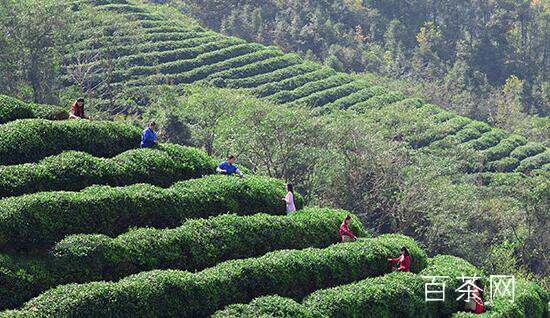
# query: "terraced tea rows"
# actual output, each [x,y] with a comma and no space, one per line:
[383,297]
[76,253]
[75,170]
[172,293]
[175,53]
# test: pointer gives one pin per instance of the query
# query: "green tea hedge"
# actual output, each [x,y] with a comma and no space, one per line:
[438,132]
[487,140]
[534,162]
[504,147]
[385,296]
[326,96]
[268,306]
[38,220]
[531,301]
[20,280]
[272,77]
[310,88]
[73,170]
[260,67]
[175,76]
[12,109]
[506,164]
[358,97]
[392,295]
[528,150]
[172,293]
[292,82]
[28,140]
[454,267]
[197,244]
[188,52]
[379,101]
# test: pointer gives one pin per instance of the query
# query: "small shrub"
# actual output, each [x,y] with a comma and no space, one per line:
[12,109]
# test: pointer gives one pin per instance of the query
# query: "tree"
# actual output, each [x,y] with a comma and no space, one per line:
[206,108]
[507,112]
[29,33]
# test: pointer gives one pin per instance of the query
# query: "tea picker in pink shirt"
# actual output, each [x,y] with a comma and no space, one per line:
[289,199]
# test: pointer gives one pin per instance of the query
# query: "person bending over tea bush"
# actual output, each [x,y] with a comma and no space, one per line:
[403,261]
[77,110]
[228,168]
[344,232]
[148,136]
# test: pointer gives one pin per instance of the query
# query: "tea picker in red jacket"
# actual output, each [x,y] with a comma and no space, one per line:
[344,232]
[403,262]
[77,110]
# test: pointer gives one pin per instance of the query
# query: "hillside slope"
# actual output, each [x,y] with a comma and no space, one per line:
[204,244]
[158,46]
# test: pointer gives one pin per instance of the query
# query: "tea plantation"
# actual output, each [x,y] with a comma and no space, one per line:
[93,226]
[160,48]
[104,229]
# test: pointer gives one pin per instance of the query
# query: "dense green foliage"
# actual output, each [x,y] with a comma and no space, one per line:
[12,109]
[20,281]
[197,244]
[391,295]
[291,273]
[73,171]
[365,164]
[40,219]
[374,297]
[384,297]
[267,306]
[355,142]
[173,53]
[28,140]
[531,301]
[457,54]
[454,267]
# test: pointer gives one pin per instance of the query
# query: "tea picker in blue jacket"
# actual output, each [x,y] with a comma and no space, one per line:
[228,168]
[148,136]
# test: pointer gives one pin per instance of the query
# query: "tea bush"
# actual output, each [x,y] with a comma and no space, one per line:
[28,140]
[197,244]
[38,220]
